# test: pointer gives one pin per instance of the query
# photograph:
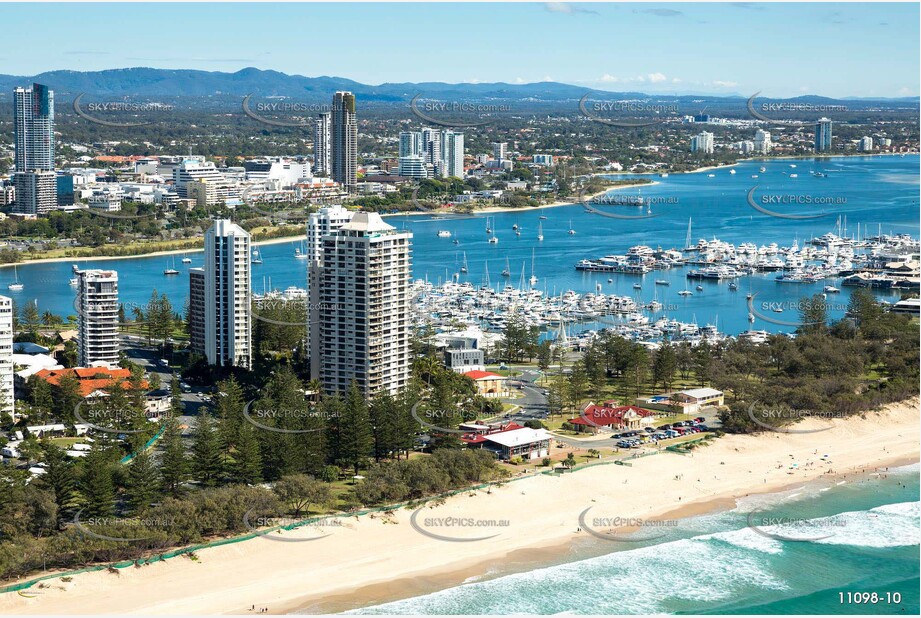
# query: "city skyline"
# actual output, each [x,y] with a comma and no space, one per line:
[581,39]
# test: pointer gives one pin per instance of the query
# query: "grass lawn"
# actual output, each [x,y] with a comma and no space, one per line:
[66,443]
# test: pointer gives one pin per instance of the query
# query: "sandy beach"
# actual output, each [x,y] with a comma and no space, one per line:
[375,559]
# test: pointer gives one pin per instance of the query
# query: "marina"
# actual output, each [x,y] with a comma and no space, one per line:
[653,253]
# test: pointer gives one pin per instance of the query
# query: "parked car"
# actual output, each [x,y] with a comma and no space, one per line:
[664,427]
[700,419]
[703,427]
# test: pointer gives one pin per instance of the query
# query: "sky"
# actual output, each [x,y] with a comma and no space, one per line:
[780,49]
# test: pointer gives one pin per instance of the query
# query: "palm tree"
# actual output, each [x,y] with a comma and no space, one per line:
[49,318]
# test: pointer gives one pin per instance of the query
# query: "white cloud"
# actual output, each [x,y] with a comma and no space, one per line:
[566,8]
[519,80]
[607,77]
[559,7]
[656,77]
[723,84]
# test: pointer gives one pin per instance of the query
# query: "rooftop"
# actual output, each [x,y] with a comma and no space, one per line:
[367,222]
[517,437]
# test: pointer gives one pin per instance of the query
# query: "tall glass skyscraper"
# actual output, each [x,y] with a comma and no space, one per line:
[33,124]
[33,128]
[344,141]
[823,135]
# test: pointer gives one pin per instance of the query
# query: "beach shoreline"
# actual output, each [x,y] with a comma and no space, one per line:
[358,563]
[496,209]
[300,237]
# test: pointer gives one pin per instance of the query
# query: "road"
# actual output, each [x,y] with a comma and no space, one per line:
[136,350]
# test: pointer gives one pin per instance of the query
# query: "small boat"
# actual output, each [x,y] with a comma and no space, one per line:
[186,260]
[74,281]
[16,286]
[662,282]
[542,217]
[749,296]
[733,286]
[517,232]
[637,286]
[793,165]
[444,234]
[514,226]
[754,175]
[507,271]
[540,230]
[777,310]
[732,171]
[571,231]
[711,175]
[463,267]
[685,293]
[74,267]
[456,241]
[700,288]
[493,240]
[533,279]
[663,175]
[830,289]
[610,280]
[751,317]
[794,175]
[762,169]
[171,270]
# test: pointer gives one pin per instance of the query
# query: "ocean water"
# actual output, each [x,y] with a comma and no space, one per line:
[879,193]
[717,564]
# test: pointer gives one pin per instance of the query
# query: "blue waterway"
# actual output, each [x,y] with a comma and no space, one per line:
[881,194]
[717,564]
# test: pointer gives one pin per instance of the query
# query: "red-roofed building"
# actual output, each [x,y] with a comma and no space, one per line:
[489,384]
[508,441]
[92,379]
[594,418]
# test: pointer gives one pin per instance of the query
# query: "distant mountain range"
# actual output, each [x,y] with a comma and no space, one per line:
[181,83]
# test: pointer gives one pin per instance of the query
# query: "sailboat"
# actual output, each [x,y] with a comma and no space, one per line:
[507,272]
[186,260]
[257,259]
[533,279]
[300,253]
[16,286]
[687,239]
[571,231]
[540,231]
[488,227]
[463,267]
[171,270]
